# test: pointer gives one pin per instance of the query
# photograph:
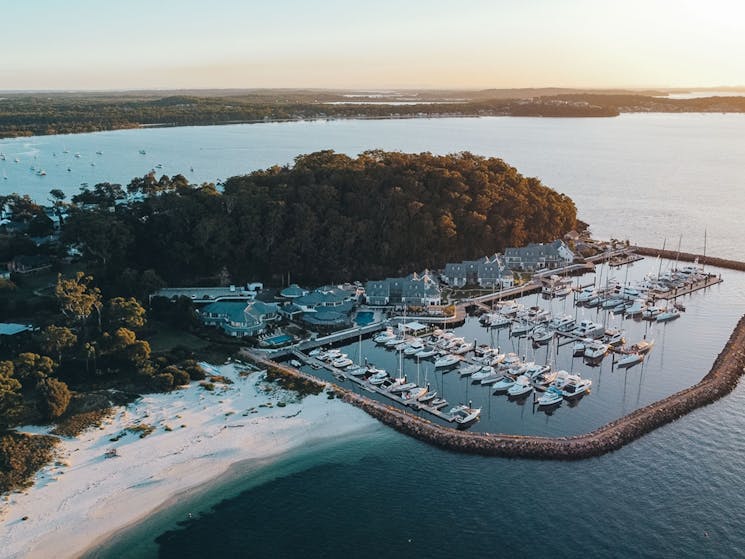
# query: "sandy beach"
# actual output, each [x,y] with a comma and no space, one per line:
[84,497]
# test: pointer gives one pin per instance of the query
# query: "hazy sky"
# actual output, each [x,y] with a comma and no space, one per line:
[79,44]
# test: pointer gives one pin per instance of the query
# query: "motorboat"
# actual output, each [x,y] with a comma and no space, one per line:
[611,302]
[521,328]
[670,314]
[578,348]
[595,350]
[491,378]
[414,347]
[562,323]
[564,377]
[462,348]
[465,416]
[428,396]
[543,380]
[542,335]
[521,387]
[551,397]
[342,362]
[295,363]
[392,342]
[500,321]
[378,378]
[642,347]
[503,385]
[425,353]
[447,360]
[636,308]
[576,388]
[469,369]
[652,312]
[511,359]
[383,337]
[438,403]
[414,393]
[629,360]
[586,294]
[614,337]
[331,354]
[483,373]
[588,329]
[355,370]
[402,387]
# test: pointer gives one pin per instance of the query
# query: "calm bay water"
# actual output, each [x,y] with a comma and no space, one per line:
[649,176]
[676,492]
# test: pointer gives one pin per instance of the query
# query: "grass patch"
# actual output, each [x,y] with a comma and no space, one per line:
[75,424]
[165,337]
[143,429]
[21,456]
[288,381]
[207,386]
[220,379]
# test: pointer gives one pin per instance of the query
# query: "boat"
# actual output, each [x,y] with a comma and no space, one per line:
[551,397]
[428,396]
[378,377]
[469,369]
[542,380]
[504,384]
[315,352]
[383,337]
[425,353]
[575,388]
[586,294]
[77,156]
[642,347]
[465,416]
[400,387]
[143,152]
[629,360]
[542,335]
[614,337]
[482,373]
[595,350]
[670,314]
[447,360]
[390,343]
[342,362]
[652,312]
[588,329]
[355,370]
[295,363]
[69,170]
[521,387]
[611,303]
[462,348]
[99,153]
[414,393]
[492,377]
[562,323]
[500,321]
[413,347]
[578,348]
[511,359]
[521,328]
[438,403]
[636,308]
[41,173]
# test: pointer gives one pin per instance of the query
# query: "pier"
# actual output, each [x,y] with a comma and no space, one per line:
[334,338]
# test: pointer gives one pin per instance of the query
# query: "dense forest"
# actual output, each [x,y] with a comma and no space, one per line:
[327,218]
[65,113]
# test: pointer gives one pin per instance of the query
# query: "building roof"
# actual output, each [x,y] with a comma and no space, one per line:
[11,328]
[234,311]
[293,291]
[259,308]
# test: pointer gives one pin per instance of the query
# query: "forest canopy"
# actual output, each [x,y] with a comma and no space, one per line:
[326,218]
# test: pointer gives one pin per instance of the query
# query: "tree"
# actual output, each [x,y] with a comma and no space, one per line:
[57,198]
[53,397]
[30,368]
[77,297]
[10,396]
[56,339]
[125,312]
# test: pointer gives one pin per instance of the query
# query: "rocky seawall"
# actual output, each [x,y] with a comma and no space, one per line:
[688,257]
[720,381]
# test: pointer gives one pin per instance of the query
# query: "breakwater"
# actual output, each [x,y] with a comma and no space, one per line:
[689,257]
[722,378]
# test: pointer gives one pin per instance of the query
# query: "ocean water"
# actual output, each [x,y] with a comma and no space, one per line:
[647,176]
[676,492]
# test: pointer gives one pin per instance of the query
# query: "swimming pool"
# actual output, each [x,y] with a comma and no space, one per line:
[364,317]
[278,340]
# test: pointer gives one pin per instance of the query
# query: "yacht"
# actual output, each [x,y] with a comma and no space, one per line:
[511,359]
[438,403]
[355,370]
[425,353]
[521,387]
[636,308]
[342,362]
[611,303]
[143,152]
[414,394]
[500,321]
[588,329]
[642,347]
[614,337]
[503,385]
[462,348]
[400,387]
[629,360]
[670,314]
[447,360]
[586,294]
[652,312]
[428,396]
[595,350]
[578,348]
[414,347]
[562,323]
[543,380]
[390,343]
[378,378]
[468,370]
[542,335]
[576,388]
[465,416]
[551,397]
[482,373]
[521,328]
[383,337]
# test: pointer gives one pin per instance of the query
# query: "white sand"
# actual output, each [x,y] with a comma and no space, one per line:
[90,497]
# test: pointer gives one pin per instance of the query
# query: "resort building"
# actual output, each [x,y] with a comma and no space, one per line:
[417,290]
[538,256]
[210,294]
[489,271]
[239,319]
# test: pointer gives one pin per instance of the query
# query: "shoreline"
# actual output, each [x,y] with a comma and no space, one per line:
[230,433]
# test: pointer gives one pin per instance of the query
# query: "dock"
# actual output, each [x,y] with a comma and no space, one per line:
[334,338]
[341,375]
[710,280]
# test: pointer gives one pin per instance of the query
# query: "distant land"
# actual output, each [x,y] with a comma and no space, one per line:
[69,112]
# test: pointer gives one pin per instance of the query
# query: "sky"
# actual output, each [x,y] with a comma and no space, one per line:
[459,44]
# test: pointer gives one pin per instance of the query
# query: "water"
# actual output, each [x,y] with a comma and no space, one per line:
[674,493]
[683,353]
[649,176]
